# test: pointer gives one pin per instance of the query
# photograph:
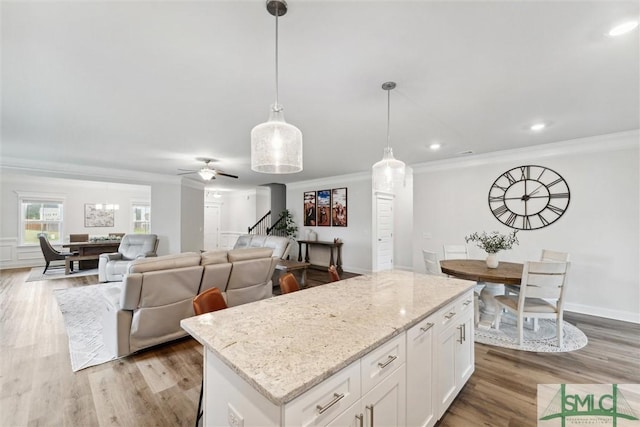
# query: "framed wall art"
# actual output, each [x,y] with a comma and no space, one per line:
[98,216]
[310,208]
[323,211]
[339,207]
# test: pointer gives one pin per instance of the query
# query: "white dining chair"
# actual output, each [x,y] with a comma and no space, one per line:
[542,291]
[455,252]
[546,256]
[431,262]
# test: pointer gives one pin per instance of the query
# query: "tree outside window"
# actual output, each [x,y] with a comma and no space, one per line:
[41,216]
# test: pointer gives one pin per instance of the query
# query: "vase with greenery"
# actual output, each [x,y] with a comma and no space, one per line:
[287,225]
[492,243]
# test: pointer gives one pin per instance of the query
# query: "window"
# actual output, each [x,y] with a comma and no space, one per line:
[141,218]
[40,216]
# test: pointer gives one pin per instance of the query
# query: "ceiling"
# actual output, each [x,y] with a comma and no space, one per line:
[149,86]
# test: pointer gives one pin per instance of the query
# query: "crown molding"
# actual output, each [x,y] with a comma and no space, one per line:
[592,144]
[339,180]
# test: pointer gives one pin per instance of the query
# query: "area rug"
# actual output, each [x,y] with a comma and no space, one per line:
[56,273]
[81,308]
[542,341]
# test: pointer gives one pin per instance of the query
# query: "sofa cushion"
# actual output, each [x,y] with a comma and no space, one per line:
[165,262]
[214,257]
[280,246]
[236,255]
[243,241]
[257,241]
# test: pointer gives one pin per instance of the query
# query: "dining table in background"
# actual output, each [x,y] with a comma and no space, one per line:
[493,279]
[89,252]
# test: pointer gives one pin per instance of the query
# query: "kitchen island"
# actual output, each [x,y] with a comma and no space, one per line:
[395,347]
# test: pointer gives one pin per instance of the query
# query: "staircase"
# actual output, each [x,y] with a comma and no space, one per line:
[263,226]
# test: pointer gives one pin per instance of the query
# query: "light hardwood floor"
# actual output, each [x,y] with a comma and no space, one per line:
[160,387]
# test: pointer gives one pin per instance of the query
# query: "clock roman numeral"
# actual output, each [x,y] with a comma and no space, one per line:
[501,188]
[543,220]
[551,184]
[496,198]
[500,210]
[540,176]
[509,177]
[525,172]
[526,223]
[511,220]
[559,196]
[555,209]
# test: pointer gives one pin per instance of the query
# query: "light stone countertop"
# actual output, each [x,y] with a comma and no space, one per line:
[285,345]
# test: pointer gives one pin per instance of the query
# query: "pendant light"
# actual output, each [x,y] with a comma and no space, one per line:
[388,172]
[276,146]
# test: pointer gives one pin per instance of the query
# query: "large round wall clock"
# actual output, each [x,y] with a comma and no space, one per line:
[529,197]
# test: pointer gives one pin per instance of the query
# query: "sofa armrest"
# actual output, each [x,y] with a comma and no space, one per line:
[147,255]
[111,256]
[131,289]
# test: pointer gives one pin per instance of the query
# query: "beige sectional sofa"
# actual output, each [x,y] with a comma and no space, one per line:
[145,309]
[280,245]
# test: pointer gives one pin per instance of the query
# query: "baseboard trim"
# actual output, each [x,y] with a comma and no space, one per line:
[625,316]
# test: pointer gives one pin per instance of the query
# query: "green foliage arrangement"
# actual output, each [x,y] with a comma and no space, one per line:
[494,242]
[288,226]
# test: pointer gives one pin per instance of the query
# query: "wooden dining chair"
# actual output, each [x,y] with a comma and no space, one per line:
[288,283]
[78,238]
[333,274]
[542,291]
[207,302]
[50,253]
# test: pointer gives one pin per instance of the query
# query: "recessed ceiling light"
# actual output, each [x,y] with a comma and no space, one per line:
[538,127]
[434,146]
[624,28]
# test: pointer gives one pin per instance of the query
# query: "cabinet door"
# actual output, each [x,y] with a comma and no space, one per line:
[352,417]
[420,381]
[465,356]
[385,404]
[445,368]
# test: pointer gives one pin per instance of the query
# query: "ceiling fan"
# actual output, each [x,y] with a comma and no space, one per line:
[207,173]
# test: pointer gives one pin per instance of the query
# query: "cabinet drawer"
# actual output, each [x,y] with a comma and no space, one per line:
[318,406]
[382,361]
[448,315]
[466,302]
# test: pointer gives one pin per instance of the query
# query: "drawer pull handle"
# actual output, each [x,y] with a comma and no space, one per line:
[426,328]
[450,315]
[389,360]
[467,302]
[360,418]
[336,399]
[370,408]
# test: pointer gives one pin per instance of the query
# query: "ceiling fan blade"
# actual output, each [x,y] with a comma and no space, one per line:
[187,170]
[186,173]
[226,174]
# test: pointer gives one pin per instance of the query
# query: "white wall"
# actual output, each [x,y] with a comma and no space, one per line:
[356,250]
[192,218]
[600,228]
[76,193]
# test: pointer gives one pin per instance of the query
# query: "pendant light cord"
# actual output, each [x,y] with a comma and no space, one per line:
[388,117]
[276,106]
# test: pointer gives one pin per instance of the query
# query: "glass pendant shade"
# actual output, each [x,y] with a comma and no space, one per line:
[206,174]
[388,172]
[276,146]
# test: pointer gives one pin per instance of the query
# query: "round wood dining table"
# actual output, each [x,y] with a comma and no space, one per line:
[493,279]
[507,273]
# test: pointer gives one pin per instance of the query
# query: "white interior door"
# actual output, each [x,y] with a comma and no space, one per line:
[384,233]
[211,227]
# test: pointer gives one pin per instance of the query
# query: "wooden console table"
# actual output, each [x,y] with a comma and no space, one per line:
[331,245]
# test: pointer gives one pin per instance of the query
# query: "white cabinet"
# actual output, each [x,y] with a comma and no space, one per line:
[410,380]
[420,381]
[454,351]
[382,406]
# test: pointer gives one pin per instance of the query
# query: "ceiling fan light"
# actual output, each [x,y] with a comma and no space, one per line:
[276,146]
[206,174]
[388,172]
